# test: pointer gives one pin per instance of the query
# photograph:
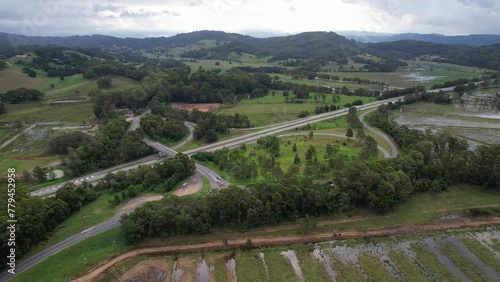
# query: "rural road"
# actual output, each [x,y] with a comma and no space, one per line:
[110,223]
[392,144]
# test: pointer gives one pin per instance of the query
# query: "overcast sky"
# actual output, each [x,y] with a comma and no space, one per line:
[265,17]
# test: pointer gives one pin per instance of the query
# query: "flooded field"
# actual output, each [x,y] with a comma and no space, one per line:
[478,125]
[449,256]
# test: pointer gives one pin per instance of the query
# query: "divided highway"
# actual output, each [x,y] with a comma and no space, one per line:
[215,180]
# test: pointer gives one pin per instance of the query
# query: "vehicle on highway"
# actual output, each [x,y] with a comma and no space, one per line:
[184,185]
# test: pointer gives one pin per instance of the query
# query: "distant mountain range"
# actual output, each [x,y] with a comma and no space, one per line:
[472,40]
[472,50]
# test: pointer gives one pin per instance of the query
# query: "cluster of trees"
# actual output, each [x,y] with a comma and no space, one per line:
[400,92]
[202,86]
[112,145]
[60,144]
[3,65]
[457,82]
[324,109]
[111,68]
[163,129]
[20,95]
[59,61]
[160,178]
[37,217]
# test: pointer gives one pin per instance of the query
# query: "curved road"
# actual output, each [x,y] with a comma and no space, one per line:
[110,223]
[392,144]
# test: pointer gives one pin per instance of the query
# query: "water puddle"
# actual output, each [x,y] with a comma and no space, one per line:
[231,266]
[433,246]
[419,77]
[464,252]
[405,248]
[319,255]
[261,255]
[176,273]
[203,271]
[292,258]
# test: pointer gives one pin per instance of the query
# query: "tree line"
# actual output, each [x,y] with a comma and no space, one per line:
[21,95]
[112,145]
[37,217]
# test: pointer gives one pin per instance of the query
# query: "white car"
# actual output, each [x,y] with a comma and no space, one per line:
[184,185]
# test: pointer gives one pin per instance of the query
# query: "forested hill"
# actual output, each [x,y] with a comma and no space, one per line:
[472,39]
[483,56]
[318,46]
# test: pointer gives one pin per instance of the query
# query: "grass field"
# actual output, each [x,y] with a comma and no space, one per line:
[350,148]
[271,109]
[70,262]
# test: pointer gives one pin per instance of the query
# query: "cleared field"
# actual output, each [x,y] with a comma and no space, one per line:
[271,109]
[417,73]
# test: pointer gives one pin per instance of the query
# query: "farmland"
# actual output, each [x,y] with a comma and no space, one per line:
[426,257]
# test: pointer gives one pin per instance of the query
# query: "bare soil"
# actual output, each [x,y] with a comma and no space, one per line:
[194,185]
[204,107]
[101,269]
[23,158]
[149,270]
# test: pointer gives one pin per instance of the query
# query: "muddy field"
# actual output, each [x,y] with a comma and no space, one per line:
[477,125]
[204,107]
[463,256]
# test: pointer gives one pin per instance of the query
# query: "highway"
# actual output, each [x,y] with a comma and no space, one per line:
[289,125]
[110,223]
[230,143]
[215,180]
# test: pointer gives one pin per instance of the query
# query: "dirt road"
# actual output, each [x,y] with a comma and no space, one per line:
[101,269]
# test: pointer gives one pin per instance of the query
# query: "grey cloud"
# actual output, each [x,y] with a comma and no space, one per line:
[139,14]
[174,14]
[291,9]
[488,4]
[103,8]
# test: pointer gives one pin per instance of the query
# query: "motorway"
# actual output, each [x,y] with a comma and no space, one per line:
[214,179]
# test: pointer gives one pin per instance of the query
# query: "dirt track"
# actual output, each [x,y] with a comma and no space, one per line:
[101,269]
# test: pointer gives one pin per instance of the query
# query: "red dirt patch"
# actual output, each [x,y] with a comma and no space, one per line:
[21,158]
[204,107]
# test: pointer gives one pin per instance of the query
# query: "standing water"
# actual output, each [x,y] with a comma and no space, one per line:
[203,270]
[292,258]
[231,266]
[319,255]
[261,255]
[176,273]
